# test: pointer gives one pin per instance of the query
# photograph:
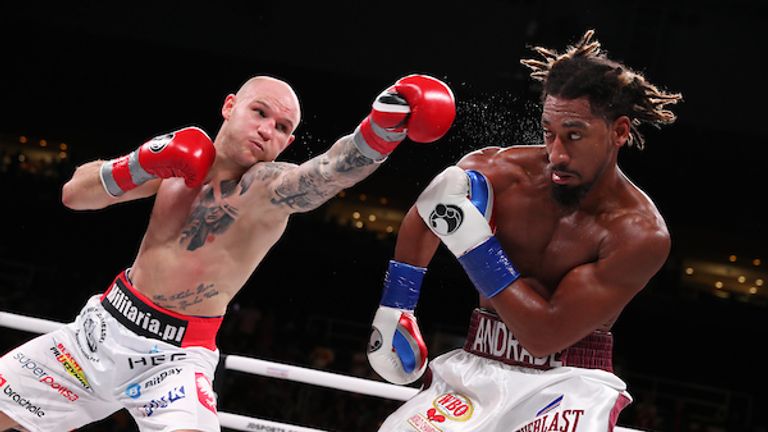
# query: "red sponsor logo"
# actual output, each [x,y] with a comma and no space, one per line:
[2,381]
[205,393]
[62,389]
[433,416]
[453,406]
[44,377]
[71,365]
[422,424]
[561,421]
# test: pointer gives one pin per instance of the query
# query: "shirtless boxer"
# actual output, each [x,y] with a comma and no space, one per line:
[555,238]
[148,343]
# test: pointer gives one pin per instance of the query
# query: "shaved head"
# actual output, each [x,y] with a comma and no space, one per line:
[259,82]
[259,121]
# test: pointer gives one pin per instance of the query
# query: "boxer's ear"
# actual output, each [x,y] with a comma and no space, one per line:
[229,105]
[621,130]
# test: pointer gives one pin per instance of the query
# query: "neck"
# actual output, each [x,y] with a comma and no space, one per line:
[224,167]
[603,189]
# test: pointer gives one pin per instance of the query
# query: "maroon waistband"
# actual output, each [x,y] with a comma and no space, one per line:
[137,313]
[489,337]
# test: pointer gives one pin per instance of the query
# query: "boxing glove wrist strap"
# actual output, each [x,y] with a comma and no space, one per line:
[489,268]
[123,174]
[375,142]
[402,285]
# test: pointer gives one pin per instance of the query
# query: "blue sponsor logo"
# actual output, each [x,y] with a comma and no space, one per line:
[167,399]
[550,406]
[133,391]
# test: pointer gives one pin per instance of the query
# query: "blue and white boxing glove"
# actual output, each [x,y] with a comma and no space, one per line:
[457,206]
[396,350]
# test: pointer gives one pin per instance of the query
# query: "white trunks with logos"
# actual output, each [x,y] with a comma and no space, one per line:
[488,387]
[122,351]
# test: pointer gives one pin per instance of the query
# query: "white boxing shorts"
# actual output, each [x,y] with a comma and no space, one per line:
[495,385]
[122,351]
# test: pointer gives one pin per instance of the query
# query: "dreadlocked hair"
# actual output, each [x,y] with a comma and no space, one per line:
[613,89]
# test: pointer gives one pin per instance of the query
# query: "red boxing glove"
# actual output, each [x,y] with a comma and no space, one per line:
[418,106]
[186,153]
[433,107]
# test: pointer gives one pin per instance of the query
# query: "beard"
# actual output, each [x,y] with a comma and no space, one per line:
[569,197]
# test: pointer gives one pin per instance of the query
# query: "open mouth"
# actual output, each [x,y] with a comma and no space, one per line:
[562,177]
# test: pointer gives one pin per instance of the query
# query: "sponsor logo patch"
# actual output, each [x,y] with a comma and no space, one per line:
[422,424]
[70,365]
[19,399]
[154,360]
[157,144]
[493,338]
[446,218]
[561,421]
[453,406]
[133,391]
[142,319]
[91,333]
[205,393]
[172,396]
[375,340]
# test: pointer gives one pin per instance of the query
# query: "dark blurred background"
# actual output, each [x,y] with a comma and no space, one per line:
[95,79]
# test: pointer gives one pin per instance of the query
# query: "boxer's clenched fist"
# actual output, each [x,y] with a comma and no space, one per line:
[396,349]
[417,106]
[186,153]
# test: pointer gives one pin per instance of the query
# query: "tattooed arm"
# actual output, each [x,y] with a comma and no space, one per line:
[305,187]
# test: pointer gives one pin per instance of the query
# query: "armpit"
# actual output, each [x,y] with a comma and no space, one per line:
[263,172]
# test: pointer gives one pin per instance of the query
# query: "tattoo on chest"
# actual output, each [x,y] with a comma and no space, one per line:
[210,218]
[184,299]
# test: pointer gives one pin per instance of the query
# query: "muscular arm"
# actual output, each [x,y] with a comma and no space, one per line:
[84,190]
[416,245]
[305,187]
[589,295]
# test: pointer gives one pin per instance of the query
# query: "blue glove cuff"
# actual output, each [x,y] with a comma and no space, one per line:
[489,268]
[402,285]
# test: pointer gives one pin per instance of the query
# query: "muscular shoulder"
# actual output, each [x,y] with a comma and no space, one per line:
[505,165]
[263,173]
[639,227]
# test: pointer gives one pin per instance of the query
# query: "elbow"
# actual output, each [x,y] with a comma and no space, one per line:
[542,342]
[72,198]
[69,196]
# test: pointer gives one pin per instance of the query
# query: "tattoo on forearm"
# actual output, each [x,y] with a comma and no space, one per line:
[352,160]
[320,178]
[184,299]
[290,201]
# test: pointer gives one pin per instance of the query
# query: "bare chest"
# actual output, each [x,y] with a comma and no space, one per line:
[203,238]
[196,220]
[543,241]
